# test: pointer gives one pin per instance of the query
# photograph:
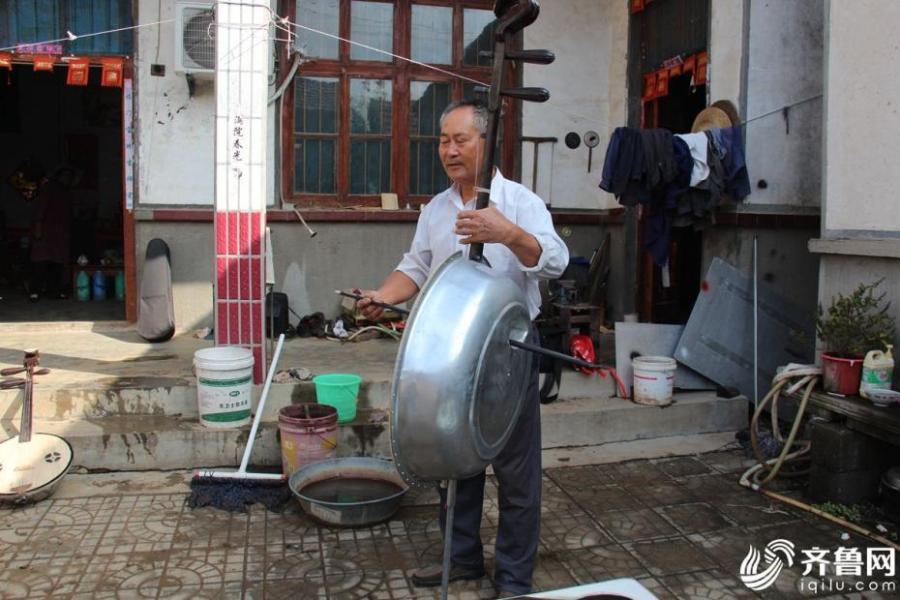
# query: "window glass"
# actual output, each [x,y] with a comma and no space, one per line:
[478,35]
[322,15]
[427,101]
[432,34]
[315,134]
[370,136]
[372,24]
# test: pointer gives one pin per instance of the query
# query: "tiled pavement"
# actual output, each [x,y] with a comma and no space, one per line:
[681,526]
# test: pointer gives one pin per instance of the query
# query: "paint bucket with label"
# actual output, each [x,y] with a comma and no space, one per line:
[308,434]
[654,379]
[224,377]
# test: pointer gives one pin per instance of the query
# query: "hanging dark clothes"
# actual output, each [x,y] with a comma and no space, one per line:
[737,180]
[623,167]
[658,229]
[653,168]
[659,157]
[698,205]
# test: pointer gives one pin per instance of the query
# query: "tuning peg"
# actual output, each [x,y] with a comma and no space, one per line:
[531,94]
[515,15]
[539,57]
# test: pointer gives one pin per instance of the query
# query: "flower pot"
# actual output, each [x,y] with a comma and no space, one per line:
[841,375]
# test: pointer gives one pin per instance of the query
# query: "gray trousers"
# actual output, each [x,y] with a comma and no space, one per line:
[518,472]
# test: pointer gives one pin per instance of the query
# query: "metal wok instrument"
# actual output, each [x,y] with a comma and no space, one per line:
[458,384]
[32,465]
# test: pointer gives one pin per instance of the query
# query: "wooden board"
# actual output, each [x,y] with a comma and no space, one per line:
[861,415]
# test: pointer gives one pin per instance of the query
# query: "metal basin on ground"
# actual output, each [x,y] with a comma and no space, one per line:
[349,492]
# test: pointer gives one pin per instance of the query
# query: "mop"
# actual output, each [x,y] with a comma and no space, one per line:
[234,490]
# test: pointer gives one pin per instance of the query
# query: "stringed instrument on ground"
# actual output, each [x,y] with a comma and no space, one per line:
[32,465]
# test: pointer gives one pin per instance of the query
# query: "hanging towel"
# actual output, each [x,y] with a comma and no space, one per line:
[698,144]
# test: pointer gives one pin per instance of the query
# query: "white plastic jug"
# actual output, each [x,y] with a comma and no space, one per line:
[877,371]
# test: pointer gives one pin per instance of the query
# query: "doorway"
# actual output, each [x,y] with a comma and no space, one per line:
[669,297]
[61,198]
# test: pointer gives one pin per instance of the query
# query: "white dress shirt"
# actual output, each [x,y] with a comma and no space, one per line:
[435,240]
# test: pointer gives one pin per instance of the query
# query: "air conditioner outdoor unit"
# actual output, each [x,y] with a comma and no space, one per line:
[195,32]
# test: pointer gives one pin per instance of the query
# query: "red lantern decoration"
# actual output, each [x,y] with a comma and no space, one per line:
[662,83]
[649,86]
[6,63]
[690,63]
[702,65]
[79,69]
[43,62]
[112,72]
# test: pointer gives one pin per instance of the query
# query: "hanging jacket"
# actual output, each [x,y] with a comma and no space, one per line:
[623,167]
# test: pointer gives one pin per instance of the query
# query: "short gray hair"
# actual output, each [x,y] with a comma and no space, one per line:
[479,111]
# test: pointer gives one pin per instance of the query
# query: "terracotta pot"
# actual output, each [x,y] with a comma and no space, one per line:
[841,375]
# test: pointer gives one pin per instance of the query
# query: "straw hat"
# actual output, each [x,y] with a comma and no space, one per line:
[711,118]
[730,110]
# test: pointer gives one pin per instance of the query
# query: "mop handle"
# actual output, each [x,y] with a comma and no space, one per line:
[262,404]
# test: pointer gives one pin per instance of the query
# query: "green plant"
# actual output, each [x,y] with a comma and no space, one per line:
[857,323]
[850,512]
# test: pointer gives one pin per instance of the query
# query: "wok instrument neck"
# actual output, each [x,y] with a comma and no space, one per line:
[512,17]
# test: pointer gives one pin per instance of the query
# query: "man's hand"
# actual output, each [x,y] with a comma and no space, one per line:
[365,306]
[487,225]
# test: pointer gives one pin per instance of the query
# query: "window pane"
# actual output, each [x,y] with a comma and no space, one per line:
[426,173]
[432,34]
[315,139]
[315,105]
[427,101]
[370,106]
[478,34]
[322,15]
[473,91]
[314,166]
[370,166]
[372,23]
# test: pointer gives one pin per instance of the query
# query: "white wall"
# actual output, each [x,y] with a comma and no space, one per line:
[588,91]
[175,133]
[726,40]
[862,119]
[785,65]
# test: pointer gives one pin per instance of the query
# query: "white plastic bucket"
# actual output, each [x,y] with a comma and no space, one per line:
[654,379]
[224,378]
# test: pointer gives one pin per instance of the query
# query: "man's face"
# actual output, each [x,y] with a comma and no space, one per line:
[462,147]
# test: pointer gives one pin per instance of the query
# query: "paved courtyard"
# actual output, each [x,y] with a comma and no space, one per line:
[681,526]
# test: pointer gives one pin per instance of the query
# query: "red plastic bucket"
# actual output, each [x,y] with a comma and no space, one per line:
[308,434]
[841,375]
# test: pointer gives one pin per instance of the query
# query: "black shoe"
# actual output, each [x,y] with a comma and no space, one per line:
[508,594]
[431,576]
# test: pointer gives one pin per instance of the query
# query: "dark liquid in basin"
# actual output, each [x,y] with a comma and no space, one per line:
[349,490]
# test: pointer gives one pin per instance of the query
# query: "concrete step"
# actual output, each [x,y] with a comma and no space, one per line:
[151,442]
[161,396]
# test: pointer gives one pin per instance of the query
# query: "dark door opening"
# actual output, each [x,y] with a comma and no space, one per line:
[671,299]
[60,198]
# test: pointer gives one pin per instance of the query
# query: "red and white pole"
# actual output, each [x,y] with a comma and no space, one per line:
[242,61]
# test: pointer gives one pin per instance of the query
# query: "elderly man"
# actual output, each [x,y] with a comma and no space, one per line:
[521,244]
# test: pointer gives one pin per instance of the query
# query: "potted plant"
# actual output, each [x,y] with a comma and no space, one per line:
[852,326]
